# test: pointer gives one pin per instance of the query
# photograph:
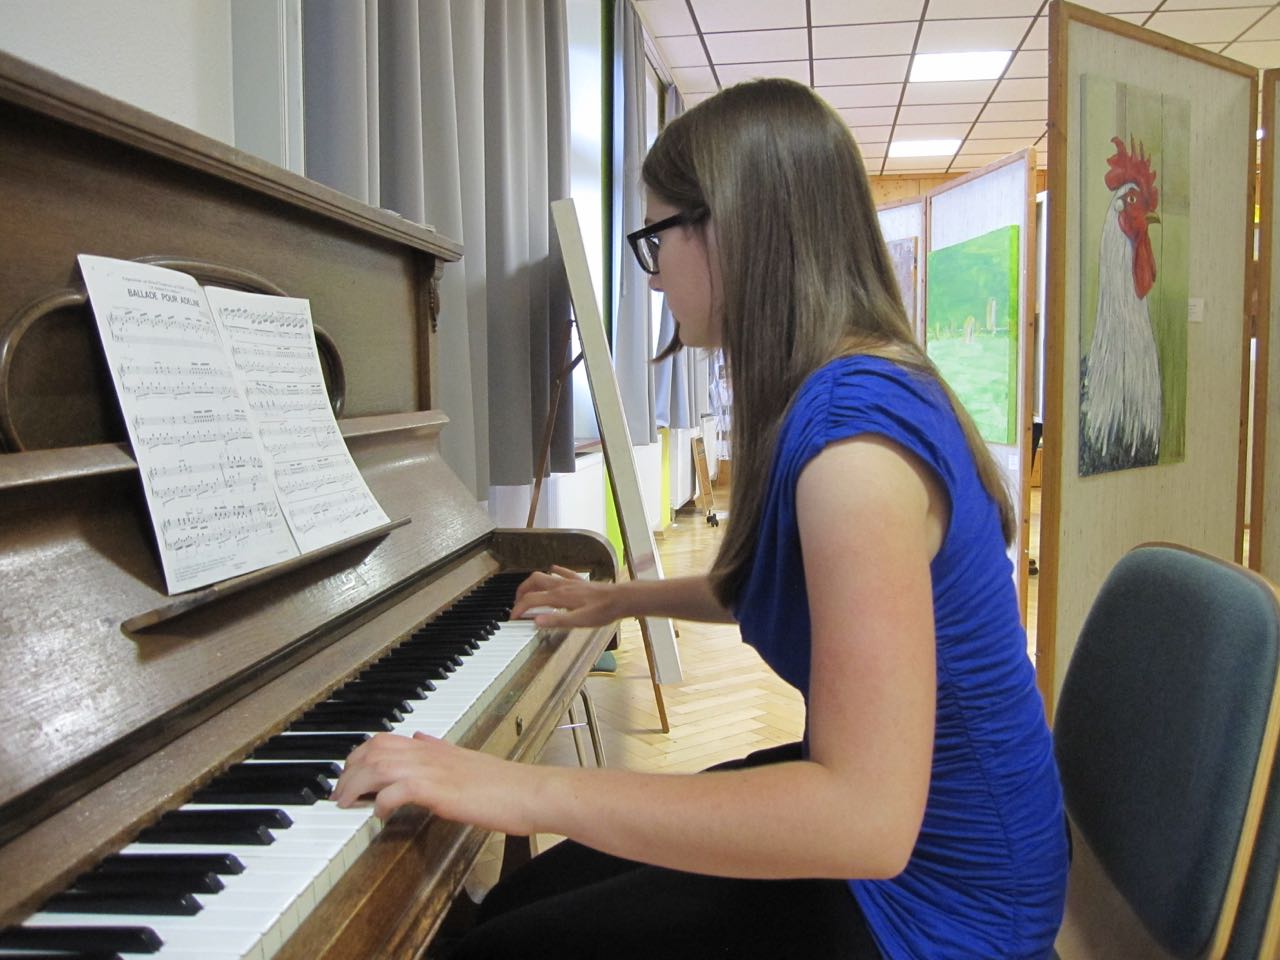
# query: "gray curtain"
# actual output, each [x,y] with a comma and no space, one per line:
[632,332]
[455,113]
[678,400]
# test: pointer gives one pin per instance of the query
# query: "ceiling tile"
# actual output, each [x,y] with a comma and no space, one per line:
[862,95]
[1204,26]
[866,40]
[1135,18]
[1114,7]
[731,73]
[983,148]
[682,51]
[1017,110]
[1260,53]
[728,15]
[1268,28]
[862,117]
[1210,4]
[1004,145]
[871,134]
[694,79]
[827,12]
[1038,38]
[1022,89]
[929,131]
[756,46]
[953,91]
[665,17]
[997,129]
[1214,47]
[948,36]
[1029,63]
[939,113]
[860,70]
[968,9]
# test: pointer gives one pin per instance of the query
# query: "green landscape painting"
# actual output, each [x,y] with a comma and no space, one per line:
[972,327]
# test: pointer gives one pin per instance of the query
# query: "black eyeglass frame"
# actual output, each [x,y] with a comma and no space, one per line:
[636,237]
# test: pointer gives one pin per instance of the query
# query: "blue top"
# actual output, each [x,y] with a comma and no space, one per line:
[987,877]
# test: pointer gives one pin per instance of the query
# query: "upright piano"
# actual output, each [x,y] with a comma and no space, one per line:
[164,761]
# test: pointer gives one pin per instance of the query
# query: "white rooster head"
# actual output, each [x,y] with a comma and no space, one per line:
[1134,201]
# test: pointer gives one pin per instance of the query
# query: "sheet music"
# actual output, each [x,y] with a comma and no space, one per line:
[273,350]
[206,481]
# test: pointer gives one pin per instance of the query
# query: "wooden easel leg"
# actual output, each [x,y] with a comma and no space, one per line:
[653,677]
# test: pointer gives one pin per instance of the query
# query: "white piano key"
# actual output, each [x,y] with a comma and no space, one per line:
[259,909]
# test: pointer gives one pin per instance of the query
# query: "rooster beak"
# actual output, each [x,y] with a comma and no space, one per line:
[1153,217]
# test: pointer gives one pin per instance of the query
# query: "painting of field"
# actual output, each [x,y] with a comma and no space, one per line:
[972,327]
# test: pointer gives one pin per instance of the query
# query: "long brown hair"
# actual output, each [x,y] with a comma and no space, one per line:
[806,275]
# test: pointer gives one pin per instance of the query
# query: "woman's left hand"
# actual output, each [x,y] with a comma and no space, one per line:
[448,780]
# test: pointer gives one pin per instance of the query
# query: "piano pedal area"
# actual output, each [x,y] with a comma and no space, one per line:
[233,872]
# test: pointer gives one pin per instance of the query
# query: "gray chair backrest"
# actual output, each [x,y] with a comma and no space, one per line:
[1158,733]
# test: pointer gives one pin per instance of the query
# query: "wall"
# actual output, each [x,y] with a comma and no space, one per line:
[893,187]
[172,59]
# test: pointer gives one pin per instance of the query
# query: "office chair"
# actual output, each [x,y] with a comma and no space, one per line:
[1165,733]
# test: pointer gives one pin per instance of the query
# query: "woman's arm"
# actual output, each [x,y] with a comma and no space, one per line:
[870,520]
[583,603]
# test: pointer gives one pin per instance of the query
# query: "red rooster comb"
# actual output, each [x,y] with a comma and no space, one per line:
[1132,166]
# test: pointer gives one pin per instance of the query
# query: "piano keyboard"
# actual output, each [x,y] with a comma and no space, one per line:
[232,873]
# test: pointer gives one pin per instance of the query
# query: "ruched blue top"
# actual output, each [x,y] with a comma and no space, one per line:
[987,877]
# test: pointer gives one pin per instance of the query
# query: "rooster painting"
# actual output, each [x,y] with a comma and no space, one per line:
[1121,395]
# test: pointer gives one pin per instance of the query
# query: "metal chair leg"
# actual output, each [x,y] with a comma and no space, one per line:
[593,726]
[575,727]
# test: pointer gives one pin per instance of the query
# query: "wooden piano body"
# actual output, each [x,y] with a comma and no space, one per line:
[105,729]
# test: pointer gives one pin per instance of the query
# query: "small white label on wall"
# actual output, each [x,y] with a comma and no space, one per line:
[1195,310]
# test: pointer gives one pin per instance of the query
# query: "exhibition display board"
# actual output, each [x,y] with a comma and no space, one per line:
[1151,150]
[979,315]
[1264,506]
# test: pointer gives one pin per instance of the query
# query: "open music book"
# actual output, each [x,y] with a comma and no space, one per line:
[242,462]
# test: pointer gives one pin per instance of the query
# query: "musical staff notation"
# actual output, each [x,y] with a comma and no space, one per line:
[242,462]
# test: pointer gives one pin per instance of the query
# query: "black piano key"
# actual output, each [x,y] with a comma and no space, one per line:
[241,794]
[405,689]
[62,955]
[175,904]
[332,725]
[313,746]
[189,881]
[414,658]
[353,716]
[399,671]
[266,772]
[216,826]
[82,939]
[176,863]
[374,698]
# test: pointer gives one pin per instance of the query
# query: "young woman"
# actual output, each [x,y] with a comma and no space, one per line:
[864,559]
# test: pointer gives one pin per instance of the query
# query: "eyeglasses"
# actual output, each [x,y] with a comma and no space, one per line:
[645,242]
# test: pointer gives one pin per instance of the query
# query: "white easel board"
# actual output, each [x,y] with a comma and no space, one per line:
[637,538]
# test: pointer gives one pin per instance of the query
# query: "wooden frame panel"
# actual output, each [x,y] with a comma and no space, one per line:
[1264,529]
[1087,524]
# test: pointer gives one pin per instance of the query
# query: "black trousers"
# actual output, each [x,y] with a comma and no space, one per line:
[575,903]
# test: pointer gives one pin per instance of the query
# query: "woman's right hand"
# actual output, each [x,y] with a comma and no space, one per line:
[576,602]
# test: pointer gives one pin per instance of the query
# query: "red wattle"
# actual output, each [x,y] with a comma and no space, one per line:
[1144,266]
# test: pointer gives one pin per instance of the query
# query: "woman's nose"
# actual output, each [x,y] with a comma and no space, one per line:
[655,282]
